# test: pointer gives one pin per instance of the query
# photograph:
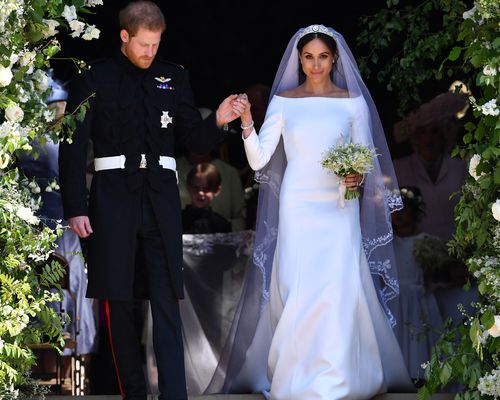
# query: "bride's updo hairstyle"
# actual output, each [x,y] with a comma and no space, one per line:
[326,39]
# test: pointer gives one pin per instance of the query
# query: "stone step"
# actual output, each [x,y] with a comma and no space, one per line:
[386,396]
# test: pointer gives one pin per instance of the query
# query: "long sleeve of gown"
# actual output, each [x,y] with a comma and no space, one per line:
[260,148]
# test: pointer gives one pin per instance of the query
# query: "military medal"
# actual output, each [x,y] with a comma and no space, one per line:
[165,119]
[164,83]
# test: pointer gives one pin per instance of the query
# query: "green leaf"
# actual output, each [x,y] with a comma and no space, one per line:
[423,393]
[445,373]
[485,182]
[454,53]
[482,287]
[487,153]
[470,126]
[474,331]
[496,175]
[496,43]
[488,319]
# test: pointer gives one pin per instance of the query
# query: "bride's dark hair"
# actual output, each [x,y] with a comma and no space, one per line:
[327,40]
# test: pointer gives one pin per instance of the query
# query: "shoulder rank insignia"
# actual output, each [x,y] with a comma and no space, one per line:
[164,83]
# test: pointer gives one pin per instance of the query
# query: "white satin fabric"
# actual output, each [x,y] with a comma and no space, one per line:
[331,339]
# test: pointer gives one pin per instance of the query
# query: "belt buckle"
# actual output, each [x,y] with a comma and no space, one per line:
[143,163]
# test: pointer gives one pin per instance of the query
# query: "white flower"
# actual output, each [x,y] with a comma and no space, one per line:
[1,344]
[51,30]
[26,214]
[93,3]
[489,71]
[49,115]
[495,209]
[7,309]
[48,189]
[91,33]
[489,384]
[69,13]
[473,163]
[490,108]
[27,60]
[495,329]
[469,14]
[4,159]
[77,28]
[14,113]
[22,95]
[13,59]
[41,80]
[34,187]
[5,76]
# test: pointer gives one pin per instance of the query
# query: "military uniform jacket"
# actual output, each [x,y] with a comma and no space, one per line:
[132,111]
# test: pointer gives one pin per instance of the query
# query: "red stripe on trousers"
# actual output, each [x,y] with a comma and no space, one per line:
[108,318]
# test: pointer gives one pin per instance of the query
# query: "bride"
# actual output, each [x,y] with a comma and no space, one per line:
[310,305]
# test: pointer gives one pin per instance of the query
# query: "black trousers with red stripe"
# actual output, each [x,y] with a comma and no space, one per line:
[167,335]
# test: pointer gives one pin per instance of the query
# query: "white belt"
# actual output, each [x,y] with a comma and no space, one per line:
[118,162]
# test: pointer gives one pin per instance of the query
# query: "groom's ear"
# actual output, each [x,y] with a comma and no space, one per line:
[124,36]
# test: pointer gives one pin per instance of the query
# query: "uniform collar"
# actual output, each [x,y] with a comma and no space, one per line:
[127,65]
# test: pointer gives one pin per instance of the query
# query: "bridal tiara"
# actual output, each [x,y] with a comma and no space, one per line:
[315,29]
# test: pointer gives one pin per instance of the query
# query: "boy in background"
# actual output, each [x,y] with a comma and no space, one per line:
[204,184]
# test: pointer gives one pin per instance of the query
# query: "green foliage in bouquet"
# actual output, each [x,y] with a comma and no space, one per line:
[464,44]
[29,280]
[348,158]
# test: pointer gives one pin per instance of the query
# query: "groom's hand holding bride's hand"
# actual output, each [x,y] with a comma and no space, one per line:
[244,105]
[233,106]
[226,112]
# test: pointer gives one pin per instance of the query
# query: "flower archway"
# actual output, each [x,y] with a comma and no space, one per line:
[28,42]
[423,43]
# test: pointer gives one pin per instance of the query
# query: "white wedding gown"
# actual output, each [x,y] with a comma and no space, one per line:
[331,339]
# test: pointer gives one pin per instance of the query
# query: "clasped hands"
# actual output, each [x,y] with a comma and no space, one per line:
[233,107]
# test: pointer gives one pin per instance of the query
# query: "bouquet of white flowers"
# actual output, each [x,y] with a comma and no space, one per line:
[345,159]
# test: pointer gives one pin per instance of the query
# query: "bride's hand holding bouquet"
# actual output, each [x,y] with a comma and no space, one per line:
[348,161]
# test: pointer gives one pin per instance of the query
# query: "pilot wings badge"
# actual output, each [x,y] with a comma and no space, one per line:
[164,83]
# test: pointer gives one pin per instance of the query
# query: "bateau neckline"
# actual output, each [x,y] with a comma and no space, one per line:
[317,97]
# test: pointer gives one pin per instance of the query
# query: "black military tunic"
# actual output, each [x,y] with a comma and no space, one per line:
[133,111]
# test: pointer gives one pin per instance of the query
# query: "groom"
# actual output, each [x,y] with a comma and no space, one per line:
[132,222]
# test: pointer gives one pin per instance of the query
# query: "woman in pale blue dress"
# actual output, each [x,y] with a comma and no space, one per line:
[310,306]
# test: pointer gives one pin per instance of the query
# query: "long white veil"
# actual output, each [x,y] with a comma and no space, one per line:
[377,202]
